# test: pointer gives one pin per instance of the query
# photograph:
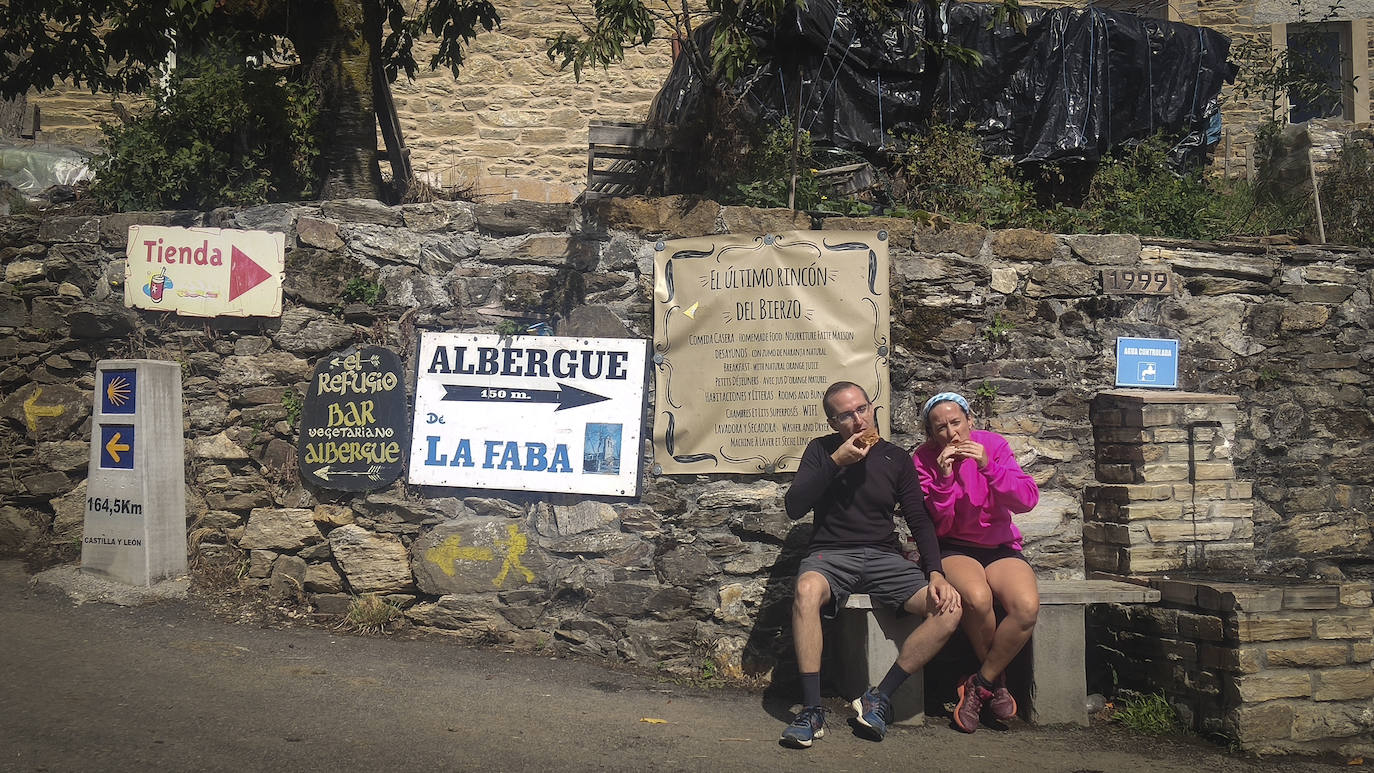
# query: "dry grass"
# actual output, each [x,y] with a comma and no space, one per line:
[220,573]
[371,614]
[49,552]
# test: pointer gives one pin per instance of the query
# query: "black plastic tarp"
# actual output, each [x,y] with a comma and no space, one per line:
[1078,82]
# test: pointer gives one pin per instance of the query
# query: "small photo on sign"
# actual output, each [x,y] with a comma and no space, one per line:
[601,449]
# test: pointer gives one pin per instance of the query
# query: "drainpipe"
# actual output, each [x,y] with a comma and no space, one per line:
[1192,475]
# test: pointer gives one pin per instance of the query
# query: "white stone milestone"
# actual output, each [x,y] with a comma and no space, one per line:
[135,525]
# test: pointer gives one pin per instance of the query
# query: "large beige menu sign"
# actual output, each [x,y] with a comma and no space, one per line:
[748,333]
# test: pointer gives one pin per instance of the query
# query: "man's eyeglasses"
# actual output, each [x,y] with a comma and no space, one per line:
[848,416]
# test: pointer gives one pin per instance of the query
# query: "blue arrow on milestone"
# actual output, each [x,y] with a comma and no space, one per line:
[565,395]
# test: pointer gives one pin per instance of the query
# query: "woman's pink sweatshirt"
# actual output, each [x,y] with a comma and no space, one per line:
[975,506]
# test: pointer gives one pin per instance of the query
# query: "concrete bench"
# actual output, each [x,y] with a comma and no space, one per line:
[868,638]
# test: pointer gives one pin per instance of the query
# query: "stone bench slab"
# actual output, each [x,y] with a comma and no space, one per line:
[869,637]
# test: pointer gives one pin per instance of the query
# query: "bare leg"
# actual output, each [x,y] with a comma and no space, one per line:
[813,590]
[929,636]
[1013,585]
[979,622]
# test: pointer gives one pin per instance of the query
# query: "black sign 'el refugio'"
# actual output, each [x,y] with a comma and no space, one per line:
[355,428]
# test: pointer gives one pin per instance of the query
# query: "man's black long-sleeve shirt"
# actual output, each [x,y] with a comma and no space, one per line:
[854,505]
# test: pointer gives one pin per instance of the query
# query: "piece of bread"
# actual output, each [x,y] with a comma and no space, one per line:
[867,438]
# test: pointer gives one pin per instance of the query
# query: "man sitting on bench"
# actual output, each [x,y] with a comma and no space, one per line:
[852,480]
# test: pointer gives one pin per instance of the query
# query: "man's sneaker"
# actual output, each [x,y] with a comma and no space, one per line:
[875,712]
[1002,704]
[808,726]
[971,700]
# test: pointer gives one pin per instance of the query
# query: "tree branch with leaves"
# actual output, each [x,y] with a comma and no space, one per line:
[122,46]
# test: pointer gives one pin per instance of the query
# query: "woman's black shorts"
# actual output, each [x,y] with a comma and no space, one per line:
[980,553]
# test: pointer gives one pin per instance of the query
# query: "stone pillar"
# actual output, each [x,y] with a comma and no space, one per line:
[1058,674]
[869,638]
[1167,498]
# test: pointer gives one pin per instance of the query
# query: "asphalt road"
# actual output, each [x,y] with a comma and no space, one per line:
[170,687]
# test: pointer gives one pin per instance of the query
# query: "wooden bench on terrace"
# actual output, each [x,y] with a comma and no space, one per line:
[868,638]
[621,158]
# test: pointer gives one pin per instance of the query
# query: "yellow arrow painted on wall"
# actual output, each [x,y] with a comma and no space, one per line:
[33,411]
[114,447]
[451,550]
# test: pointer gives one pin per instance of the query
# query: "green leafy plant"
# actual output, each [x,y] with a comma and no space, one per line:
[507,328]
[1148,714]
[998,329]
[1135,190]
[294,405]
[1238,207]
[985,393]
[122,47]
[220,134]
[709,671]
[359,290]
[943,176]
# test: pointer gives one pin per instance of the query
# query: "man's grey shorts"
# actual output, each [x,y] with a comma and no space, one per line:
[887,576]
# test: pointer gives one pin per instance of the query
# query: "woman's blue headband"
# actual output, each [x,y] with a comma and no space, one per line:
[945,397]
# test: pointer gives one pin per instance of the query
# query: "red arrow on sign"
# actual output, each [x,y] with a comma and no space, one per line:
[244,273]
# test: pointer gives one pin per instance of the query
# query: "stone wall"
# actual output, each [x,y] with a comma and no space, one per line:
[1168,497]
[1277,669]
[513,125]
[71,116]
[697,566]
[1274,665]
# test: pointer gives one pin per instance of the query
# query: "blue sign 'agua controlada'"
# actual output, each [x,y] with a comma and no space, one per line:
[1147,362]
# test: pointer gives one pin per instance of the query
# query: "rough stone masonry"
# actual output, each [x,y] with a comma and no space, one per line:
[697,568]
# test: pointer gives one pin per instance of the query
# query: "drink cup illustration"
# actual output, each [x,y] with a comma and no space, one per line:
[155,285]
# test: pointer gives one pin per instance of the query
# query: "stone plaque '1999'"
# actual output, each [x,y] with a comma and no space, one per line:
[355,425]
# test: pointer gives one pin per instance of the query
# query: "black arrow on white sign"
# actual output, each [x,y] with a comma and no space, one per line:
[566,396]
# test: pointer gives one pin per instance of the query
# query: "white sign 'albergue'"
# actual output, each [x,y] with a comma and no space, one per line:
[529,413]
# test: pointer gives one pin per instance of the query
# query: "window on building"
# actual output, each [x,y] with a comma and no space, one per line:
[1320,67]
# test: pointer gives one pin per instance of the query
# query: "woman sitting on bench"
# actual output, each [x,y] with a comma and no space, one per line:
[973,486]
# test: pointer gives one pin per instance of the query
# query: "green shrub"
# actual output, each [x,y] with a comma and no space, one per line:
[1347,197]
[942,174]
[294,405]
[1239,208]
[220,134]
[1136,191]
[945,173]
[764,176]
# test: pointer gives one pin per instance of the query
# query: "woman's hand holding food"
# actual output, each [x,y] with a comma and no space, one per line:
[961,449]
